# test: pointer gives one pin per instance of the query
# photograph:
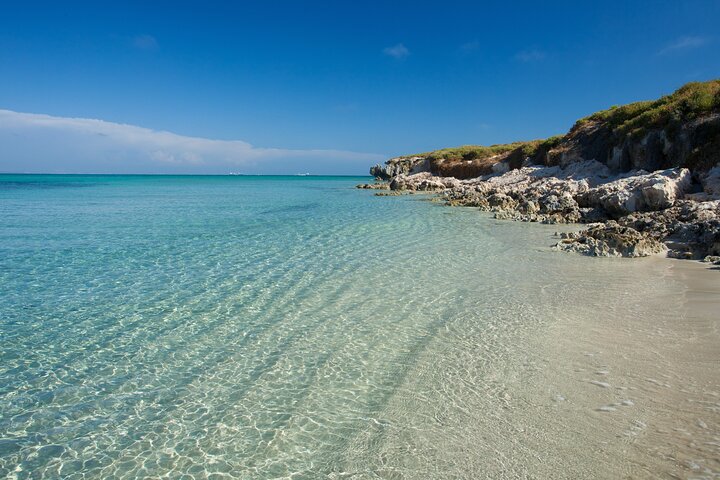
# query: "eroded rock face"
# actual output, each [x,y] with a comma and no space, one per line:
[534,194]
[650,170]
[400,166]
[710,182]
[690,229]
[645,212]
[501,202]
[611,240]
[423,182]
[693,144]
[641,191]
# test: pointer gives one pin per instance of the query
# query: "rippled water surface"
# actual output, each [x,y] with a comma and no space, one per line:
[294,327]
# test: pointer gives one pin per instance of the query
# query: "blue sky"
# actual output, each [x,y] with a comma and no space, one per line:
[324,87]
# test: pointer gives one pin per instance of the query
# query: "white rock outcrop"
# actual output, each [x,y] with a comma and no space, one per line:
[639,192]
[653,209]
[711,183]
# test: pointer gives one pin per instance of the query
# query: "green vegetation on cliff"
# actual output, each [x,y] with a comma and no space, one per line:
[479,152]
[473,160]
[685,104]
[678,130]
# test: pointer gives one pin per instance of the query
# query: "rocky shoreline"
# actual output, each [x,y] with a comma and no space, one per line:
[644,177]
[634,214]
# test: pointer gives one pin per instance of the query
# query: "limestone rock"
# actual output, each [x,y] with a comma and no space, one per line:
[501,202]
[611,240]
[641,191]
[714,259]
[646,212]
[400,166]
[374,186]
[690,229]
[711,183]
[423,181]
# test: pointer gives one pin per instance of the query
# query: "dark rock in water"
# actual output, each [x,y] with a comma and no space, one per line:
[374,186]
[392,193]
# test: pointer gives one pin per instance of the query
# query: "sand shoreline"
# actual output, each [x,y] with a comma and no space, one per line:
[645,389]
[581,368]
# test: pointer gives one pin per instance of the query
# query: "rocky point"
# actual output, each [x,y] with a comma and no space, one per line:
[645,177]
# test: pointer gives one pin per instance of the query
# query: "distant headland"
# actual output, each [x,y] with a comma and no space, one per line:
[644,176]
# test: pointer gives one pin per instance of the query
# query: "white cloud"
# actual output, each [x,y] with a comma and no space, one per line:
[43,143]
[398,51]
[528,56]
[145,42]
[683,43]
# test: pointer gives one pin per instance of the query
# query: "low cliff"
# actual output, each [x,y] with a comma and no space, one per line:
[678,130]
[645,175]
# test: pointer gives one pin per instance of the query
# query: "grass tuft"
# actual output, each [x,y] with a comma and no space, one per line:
[635,119]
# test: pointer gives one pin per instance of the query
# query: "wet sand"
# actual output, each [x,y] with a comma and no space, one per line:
[646,387]
[605,369]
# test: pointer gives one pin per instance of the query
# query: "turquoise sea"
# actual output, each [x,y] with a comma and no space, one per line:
[295,327]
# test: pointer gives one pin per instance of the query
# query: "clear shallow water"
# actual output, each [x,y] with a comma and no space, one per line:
[275,327]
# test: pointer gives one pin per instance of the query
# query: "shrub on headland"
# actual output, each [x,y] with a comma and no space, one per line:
[685,104]
[678,130]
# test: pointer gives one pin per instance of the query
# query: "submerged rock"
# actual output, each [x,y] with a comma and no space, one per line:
[374,186]
[392,193]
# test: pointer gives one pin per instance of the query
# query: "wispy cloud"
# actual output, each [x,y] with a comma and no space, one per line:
[398,51]
[682,44]
[44,143]
[529,56]
[145,42]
